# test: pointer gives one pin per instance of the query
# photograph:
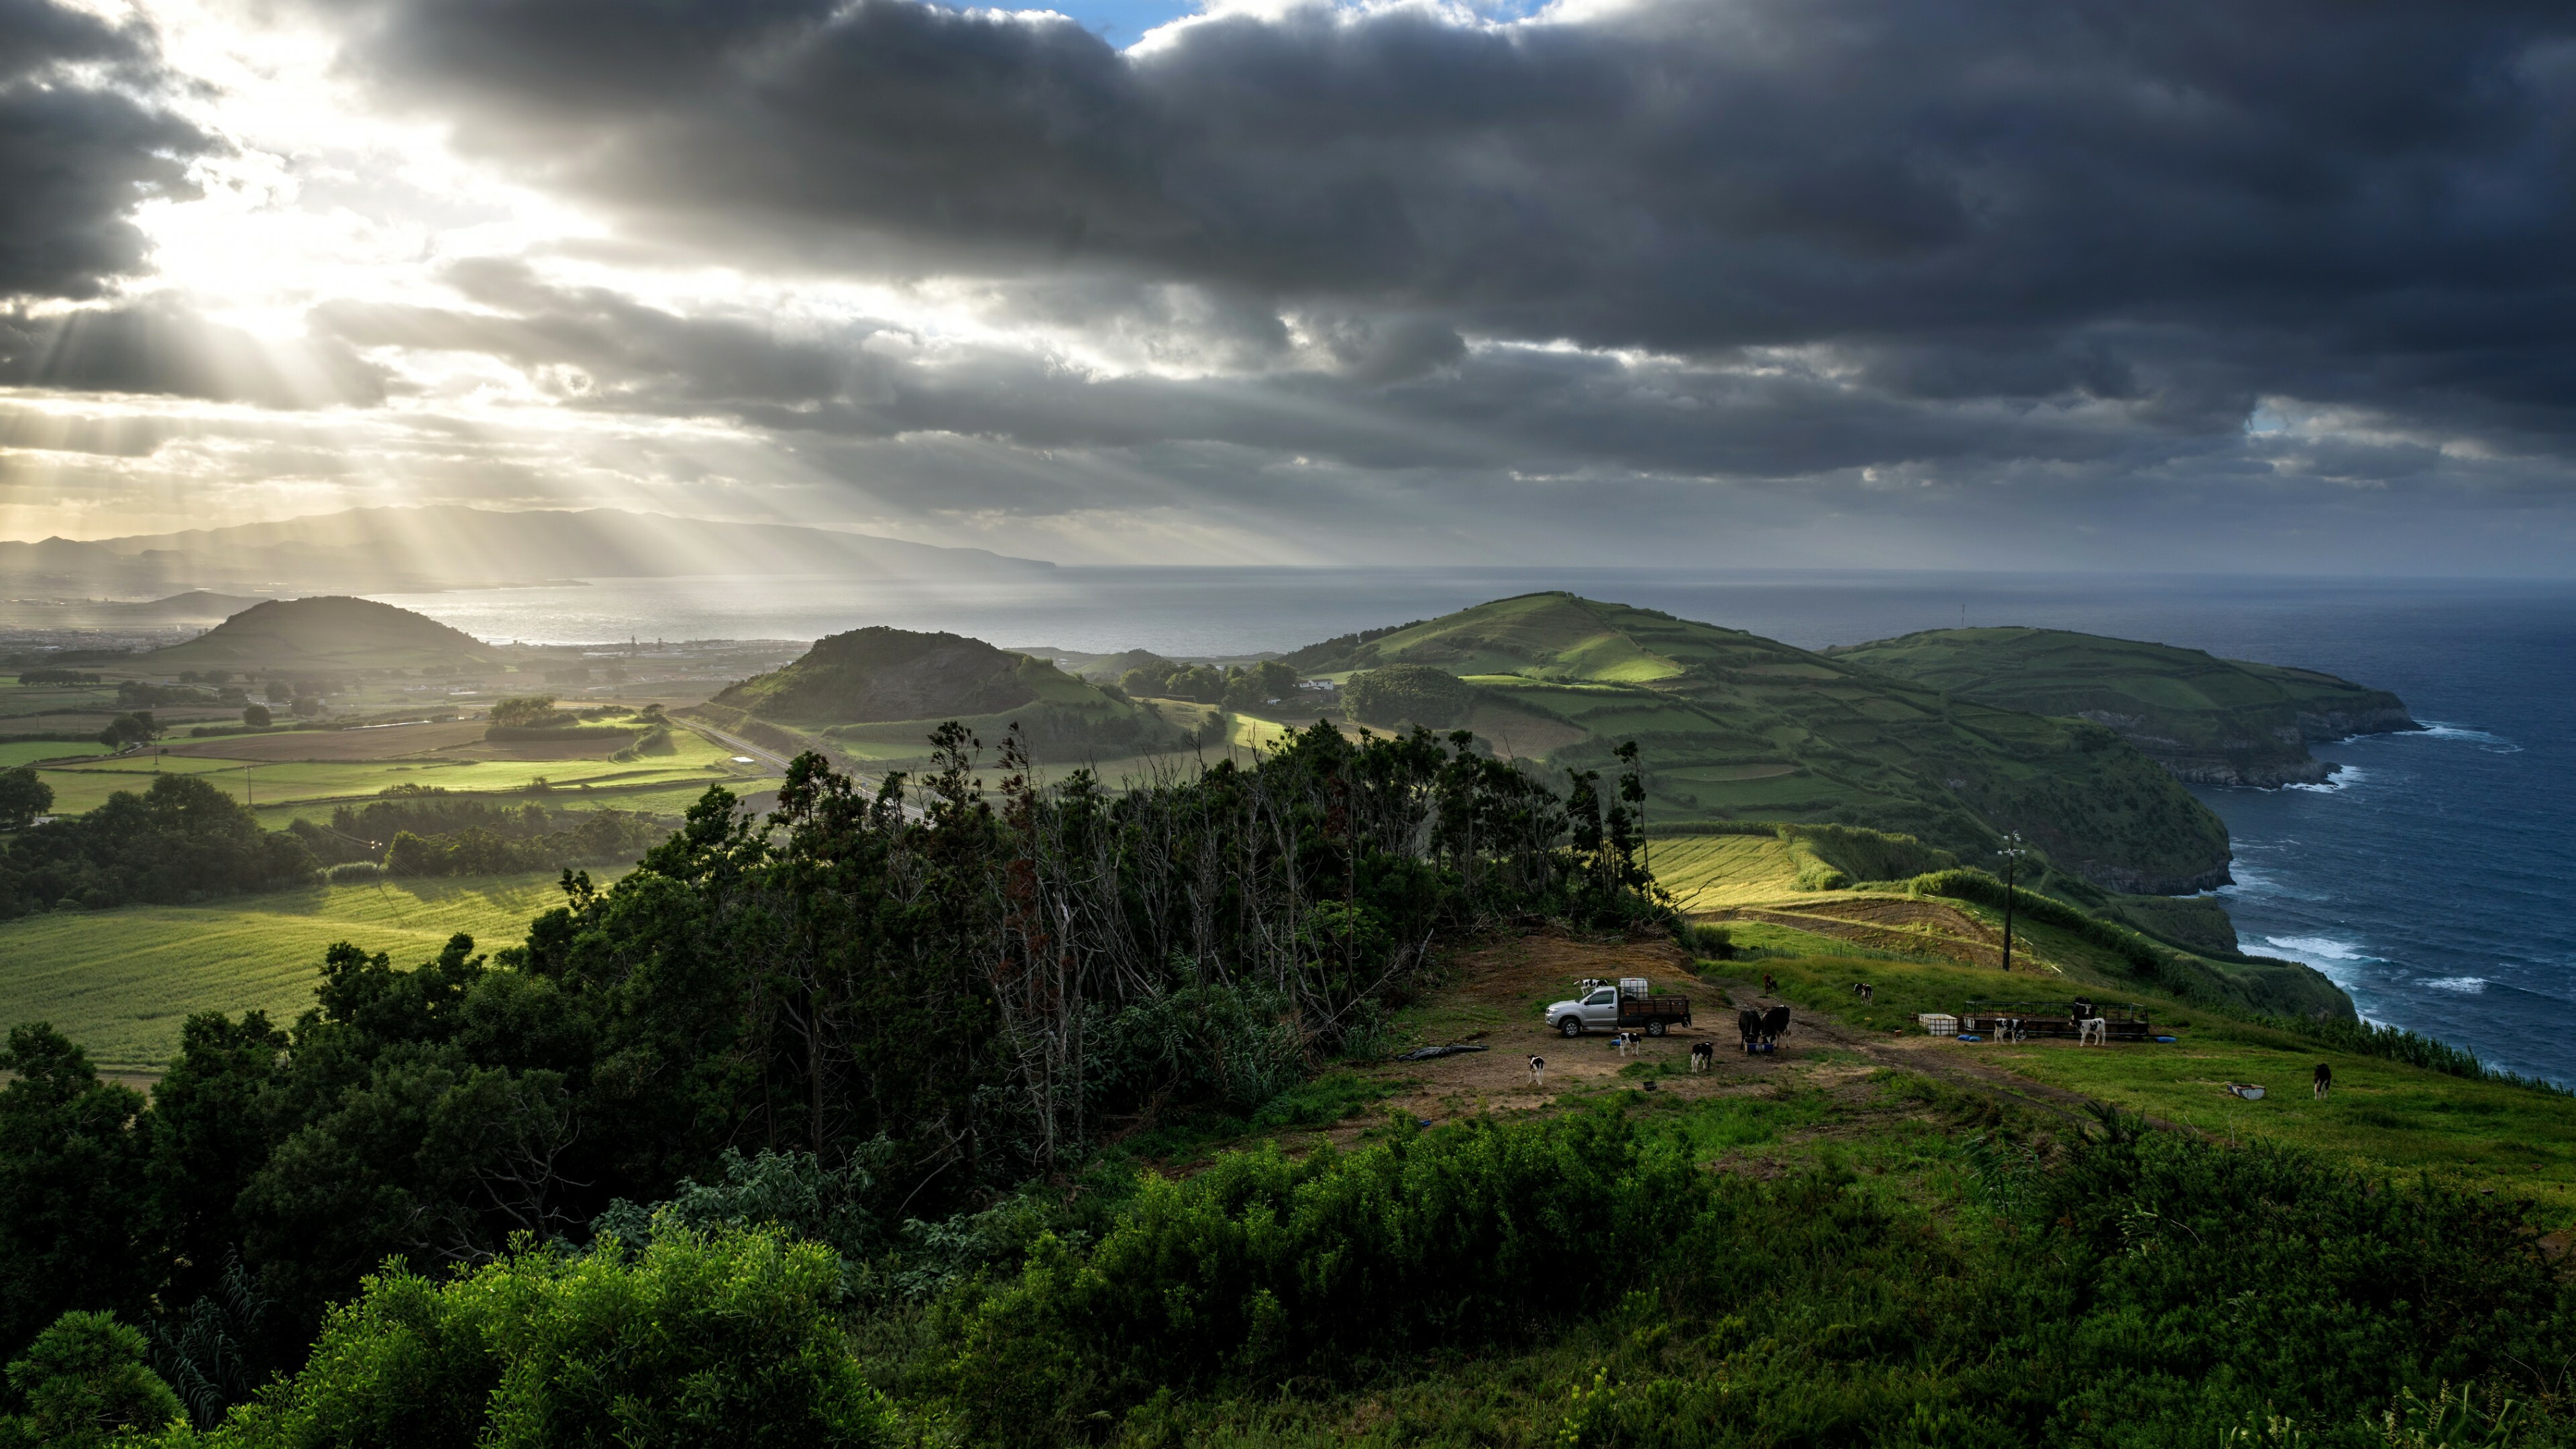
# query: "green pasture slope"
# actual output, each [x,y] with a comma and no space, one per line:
[2222,721]
[120,982]
[1735,726]
[2380,1114]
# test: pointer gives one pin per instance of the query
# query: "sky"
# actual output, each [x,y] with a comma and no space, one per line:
[2190,285]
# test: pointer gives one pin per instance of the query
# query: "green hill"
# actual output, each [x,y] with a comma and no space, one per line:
[1736,726]
[887,688]
[2211,721]
[324,633]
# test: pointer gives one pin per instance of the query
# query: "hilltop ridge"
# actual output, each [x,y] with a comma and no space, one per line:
[324,632]
[2210,721]
[1740,727]
[887,687]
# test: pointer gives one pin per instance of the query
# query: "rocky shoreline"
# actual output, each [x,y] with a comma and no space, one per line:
[2270,763]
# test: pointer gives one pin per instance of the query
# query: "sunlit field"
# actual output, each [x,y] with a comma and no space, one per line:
[280,788]
[121,982]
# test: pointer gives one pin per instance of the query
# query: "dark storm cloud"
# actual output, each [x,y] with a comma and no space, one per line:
[1676,174]
[156,347]
[77,151]
[1399,394]
[2062,246]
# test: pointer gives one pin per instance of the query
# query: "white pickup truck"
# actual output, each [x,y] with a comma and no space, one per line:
[1627,1005]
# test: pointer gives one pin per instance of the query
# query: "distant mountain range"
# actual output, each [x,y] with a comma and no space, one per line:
[178,611]
[385,550]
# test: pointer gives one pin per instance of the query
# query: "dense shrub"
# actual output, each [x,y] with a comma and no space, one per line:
[1409,694]
[183,839]
[415,832]
[2137,1290]
[1869,855]
[1262,1267]
[721,1339]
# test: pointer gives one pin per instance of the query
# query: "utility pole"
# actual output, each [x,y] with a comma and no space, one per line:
[2012,853]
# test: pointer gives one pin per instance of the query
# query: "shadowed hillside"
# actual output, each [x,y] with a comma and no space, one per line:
[882,687]
[329,632]
[1736,726]
[2211,721]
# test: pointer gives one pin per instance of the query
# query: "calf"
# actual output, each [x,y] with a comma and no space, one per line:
[1703,1055]
[2094,1031]
[1538,1071]
[1863,990]
[1769,986]
[2325,1080]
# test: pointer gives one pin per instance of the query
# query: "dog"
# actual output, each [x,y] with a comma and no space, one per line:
[2093,1030]
[2325,1080]
[1538,1071]
[1703,1056]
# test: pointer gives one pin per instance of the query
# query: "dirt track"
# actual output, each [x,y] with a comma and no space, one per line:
[1501,990]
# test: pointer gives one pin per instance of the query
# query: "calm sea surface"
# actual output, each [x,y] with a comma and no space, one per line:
[2431,880]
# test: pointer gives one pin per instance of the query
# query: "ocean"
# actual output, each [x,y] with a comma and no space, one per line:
[2429,879]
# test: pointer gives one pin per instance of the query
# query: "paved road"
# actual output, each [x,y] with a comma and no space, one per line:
[772,758]
[776,760]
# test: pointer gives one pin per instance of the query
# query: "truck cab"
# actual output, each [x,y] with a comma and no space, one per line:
[1628,1004]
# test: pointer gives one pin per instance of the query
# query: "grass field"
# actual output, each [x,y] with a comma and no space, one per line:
[2520,1141]
[28,752]
[121,982]
[281,789]
[1717,872]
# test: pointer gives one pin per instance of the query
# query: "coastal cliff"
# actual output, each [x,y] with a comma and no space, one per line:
[2208,721]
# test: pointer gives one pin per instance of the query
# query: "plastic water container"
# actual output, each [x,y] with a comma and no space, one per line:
[2166,1040]
[1970,1036]
[1937,1023]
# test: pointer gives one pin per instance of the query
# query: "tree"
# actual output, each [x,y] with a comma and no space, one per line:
[257,716]
[278,692]
[210,1132]
[23,796]
[84,1382]
[526,712]
[308,706]
[129,729]
[72,1196]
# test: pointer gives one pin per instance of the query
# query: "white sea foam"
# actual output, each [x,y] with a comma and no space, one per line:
[2323,946]
[2348,776]
[2492,744]
[2465,985]
[2335,959]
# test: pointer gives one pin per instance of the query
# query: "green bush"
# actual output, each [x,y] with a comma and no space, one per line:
[2139,1289]
[1263,1267]
[1409,693]
[82,1383]
[727,1338]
